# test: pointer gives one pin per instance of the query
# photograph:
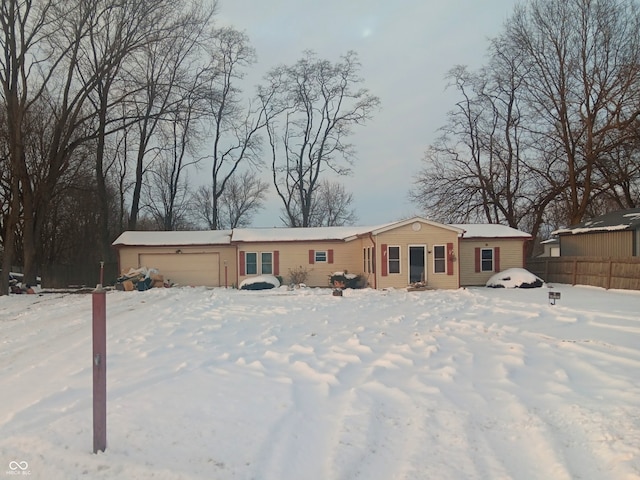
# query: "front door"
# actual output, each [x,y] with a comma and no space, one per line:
[417,272]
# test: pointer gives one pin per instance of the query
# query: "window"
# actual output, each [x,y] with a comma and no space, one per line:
[251,263]
[366,260]
[486,262]
[266,260]
[439,259]
[321,256]
[394,259]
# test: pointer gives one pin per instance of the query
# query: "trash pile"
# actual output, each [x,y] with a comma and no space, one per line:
[141,279]
[16,284]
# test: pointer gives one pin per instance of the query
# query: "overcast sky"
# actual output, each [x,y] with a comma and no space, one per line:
[406,48]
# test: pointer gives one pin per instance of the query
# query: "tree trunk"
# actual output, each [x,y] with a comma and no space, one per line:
[9,236]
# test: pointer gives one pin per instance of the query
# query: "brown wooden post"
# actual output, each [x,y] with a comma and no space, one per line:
[99,369]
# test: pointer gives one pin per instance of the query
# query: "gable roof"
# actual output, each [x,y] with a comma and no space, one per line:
[402,223]
[612,221]
[490,230]
[277,234]
[283,234]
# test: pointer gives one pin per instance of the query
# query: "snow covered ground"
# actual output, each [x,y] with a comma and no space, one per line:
[276,385]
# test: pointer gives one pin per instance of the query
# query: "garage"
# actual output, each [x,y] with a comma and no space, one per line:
[185,268]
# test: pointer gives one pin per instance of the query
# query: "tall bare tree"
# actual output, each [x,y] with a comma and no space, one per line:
[164,71]
[122,35]
[169,192]
[235,128]
[582,84]
[27,27]
[547,132]
[475,170]
[318,103]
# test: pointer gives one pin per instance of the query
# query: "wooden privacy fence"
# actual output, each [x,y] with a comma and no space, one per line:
[606,272]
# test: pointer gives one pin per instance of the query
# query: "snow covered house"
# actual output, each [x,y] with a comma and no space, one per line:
[615,234]
[395,254]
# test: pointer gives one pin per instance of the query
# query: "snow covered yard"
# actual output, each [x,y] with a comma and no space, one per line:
[276,385]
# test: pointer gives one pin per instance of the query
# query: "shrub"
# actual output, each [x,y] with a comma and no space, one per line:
[298,275]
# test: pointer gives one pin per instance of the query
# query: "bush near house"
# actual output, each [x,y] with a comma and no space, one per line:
[298,275]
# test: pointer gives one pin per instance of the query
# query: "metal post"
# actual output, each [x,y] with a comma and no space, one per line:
[99,369]
[226,283]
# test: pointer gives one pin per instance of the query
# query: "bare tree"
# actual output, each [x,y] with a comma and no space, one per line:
[63,55]
[475,170]
[547,131]
[168,196]
[26,41]
[168,192]
[123,34]
[315,105]
[582,86]
[235,128]
[243,197]
[164,72]
[332,206]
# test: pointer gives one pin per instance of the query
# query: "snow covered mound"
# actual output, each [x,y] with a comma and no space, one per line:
[515,278]
[259,282]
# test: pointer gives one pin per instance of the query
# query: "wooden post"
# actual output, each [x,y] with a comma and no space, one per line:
[99,370]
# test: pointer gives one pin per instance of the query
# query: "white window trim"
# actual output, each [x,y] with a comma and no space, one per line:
[444,248]
[326,256]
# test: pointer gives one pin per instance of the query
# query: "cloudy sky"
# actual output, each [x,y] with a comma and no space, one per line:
[406,48]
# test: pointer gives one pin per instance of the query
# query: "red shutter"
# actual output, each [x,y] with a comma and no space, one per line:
[330,256]
[496,259]
[312,257]
[276,262]
[450,254]
[242,267]
[385,258]
[477,259]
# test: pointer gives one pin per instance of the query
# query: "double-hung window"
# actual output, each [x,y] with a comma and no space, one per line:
[251,259]
[266,261]
[439,259]
[486,260]
[394,259]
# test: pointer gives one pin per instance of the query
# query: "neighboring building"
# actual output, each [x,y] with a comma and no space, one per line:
[551,248]
[615,234]
[394,255]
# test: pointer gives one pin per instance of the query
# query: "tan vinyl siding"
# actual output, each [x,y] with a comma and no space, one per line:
[293,255]
[511,256]
[404,237]
[597,244]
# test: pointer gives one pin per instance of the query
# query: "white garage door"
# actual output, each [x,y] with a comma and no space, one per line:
[196,269]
